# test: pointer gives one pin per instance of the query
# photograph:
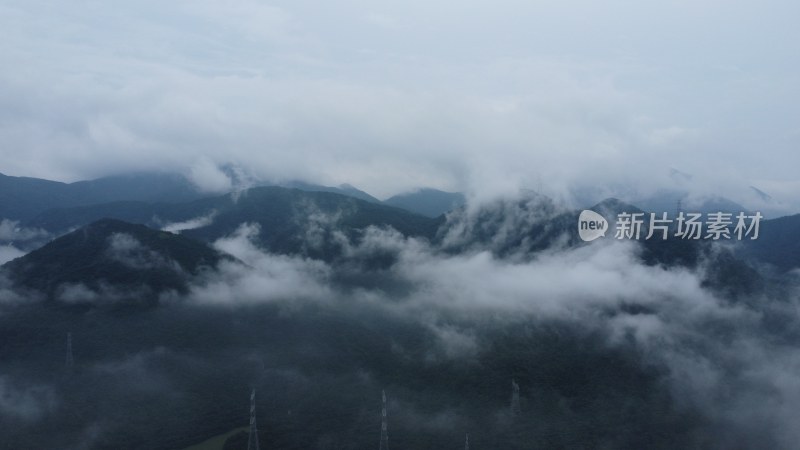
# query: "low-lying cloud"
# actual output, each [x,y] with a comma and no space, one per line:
[263,277]
[26,402]
[9,252]
[127,250]
[731,361]
[738,375]
[191,224]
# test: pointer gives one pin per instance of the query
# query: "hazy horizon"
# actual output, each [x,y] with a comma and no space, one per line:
[477,97]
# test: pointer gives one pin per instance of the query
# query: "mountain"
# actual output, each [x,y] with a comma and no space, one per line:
[763,196]
[344,189]
[508,227]
[110,259]
[311,223]
[778,243]
[523,226]
[693,196]
[155,215]
[22,198]
[521,229]
[428,202]
[666,200]
[289,220]
[307,222]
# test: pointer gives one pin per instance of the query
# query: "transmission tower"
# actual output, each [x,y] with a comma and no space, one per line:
[515,408]
[70,362]
[384,429]
[466,443]
[252,440]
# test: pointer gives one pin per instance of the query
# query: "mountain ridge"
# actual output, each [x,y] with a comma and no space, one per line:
[112,258]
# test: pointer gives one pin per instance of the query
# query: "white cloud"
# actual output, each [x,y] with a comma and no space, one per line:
[208,177]
[10,230]
[197,222]
[27,402]
[127,250]
[499,96]
[9,252]
[264,277]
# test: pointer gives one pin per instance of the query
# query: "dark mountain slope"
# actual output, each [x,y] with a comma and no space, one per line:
[778,243]
[509,227]
[61,220]
[521,229]
[344,189]
[22,198]
[110,258]
[428,202]
[294,221]
[290,220]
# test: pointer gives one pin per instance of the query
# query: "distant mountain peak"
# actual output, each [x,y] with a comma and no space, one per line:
[615,205]
[344,189]
[762,195]
[23,198]
[679,176]
[427,201]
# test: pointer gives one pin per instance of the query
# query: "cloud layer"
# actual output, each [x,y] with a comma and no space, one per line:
[498,96]
[299,328]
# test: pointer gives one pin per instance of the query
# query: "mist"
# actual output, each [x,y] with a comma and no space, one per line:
[622,349]
[498,97]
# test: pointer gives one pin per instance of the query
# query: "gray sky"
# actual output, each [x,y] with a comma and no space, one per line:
[480,96]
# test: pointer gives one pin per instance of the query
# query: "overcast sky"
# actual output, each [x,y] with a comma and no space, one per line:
[480,96]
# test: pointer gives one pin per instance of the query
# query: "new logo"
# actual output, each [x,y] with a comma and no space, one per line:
[591,225]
